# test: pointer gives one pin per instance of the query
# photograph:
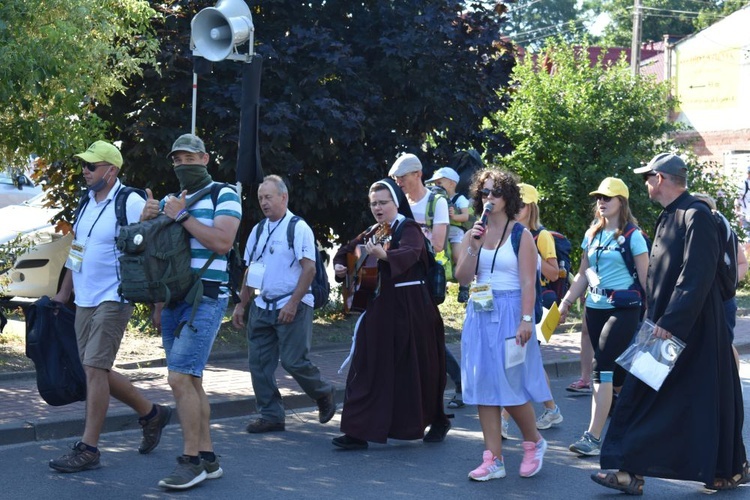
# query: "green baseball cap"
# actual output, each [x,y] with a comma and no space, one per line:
[102,151]
[188,142]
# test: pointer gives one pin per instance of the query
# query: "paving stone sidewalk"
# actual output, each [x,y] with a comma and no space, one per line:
[24,416]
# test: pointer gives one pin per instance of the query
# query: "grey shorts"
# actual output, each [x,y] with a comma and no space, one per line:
[99,331]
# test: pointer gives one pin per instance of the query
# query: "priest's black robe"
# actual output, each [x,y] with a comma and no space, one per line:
[691,429]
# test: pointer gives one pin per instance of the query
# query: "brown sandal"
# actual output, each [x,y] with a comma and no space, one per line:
[634,486]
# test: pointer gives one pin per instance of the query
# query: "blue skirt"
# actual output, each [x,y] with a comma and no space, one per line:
[484,379]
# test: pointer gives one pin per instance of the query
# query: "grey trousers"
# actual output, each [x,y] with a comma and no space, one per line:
[269,342]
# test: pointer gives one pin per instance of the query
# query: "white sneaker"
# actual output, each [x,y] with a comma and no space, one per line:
[504,428]
[549,418]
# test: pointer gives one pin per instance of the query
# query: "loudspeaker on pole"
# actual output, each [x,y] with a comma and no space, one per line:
[215,31]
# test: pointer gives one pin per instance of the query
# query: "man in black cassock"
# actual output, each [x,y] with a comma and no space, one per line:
[691,429]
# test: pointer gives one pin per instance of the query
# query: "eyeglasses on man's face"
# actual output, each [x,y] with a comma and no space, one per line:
[647,175]
[379,203]
[496,193]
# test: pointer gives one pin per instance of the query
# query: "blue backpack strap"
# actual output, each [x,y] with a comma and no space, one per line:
[515,237]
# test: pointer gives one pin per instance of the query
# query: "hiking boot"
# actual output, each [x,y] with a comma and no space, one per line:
[152,428]
[185,475]
[262,425]
[80,459]
[533,457]
[549,418]
[326,407]
[588,445]
[213,469]
[504,428]
[490,468]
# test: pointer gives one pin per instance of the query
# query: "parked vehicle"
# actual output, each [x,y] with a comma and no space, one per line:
[16,188]
[34,255]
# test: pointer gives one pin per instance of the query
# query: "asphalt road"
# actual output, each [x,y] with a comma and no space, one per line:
[301,463]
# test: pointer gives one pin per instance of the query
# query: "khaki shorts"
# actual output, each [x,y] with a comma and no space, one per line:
[99,331]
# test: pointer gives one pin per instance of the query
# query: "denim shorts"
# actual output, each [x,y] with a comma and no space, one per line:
[189,352]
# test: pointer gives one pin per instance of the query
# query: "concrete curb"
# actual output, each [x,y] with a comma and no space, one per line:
[49,428]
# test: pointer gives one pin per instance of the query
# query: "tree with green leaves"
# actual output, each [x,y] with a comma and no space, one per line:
[346,87]
[660,17]
[529,22]
[572,124]
[59,60]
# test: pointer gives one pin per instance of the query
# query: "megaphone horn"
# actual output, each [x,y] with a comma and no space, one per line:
[217,30]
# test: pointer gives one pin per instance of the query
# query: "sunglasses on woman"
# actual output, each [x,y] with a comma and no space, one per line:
[496,193]
[601,197]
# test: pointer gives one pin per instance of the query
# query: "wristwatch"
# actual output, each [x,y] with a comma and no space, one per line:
[526,318]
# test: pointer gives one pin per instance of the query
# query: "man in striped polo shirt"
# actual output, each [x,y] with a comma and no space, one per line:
[212,231]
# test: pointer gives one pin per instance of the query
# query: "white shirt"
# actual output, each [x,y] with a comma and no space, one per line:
[505,275]
[419,210]
[99,276]
[282,264]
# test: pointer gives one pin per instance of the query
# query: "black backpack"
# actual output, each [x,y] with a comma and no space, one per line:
[51,344]
[726,270]
[121,198]
[554,291]
[320,287]
[155,260]
[435,278]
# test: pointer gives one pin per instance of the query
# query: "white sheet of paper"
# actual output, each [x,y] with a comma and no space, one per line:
[649,370]
[515,354]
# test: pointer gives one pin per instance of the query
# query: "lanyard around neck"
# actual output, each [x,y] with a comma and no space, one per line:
[270,232]
[109,200]
[499,244]
[599,249]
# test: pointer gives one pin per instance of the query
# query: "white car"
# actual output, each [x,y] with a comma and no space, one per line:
[15,189]
[36,269]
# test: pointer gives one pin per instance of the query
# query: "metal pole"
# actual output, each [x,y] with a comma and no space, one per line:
[195,102]
[635,48]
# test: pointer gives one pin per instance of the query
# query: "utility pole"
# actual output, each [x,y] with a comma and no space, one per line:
[635,47]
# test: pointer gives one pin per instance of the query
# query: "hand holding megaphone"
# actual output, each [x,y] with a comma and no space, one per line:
[485,214]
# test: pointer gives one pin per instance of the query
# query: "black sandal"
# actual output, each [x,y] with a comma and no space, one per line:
[745,474]
[612,480]
[723,484]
